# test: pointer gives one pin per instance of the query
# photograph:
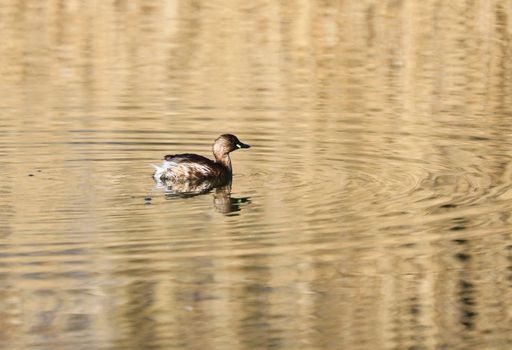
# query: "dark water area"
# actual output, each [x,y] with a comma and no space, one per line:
[373,210]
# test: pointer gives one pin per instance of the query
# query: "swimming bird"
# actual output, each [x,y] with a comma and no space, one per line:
[188,167]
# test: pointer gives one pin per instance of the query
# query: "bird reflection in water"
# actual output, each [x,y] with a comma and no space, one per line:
[226,204]
[222,200]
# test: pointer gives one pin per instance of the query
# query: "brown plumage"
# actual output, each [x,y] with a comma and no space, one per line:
[189,167]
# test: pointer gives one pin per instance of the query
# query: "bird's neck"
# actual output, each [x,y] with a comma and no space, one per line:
[224,160]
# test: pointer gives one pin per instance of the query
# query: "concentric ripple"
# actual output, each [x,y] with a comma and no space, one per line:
[372,211]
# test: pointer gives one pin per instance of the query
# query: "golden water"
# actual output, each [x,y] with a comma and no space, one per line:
[373,210]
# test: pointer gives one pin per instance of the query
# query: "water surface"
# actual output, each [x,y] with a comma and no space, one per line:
[372,211]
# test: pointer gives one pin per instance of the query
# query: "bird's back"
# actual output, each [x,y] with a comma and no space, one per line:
[188,167]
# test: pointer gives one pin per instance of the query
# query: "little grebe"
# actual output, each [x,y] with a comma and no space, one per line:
[189,167]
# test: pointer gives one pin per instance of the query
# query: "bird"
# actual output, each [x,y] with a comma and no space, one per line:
[193,168]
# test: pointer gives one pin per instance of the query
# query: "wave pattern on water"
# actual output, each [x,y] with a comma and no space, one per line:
[371,212]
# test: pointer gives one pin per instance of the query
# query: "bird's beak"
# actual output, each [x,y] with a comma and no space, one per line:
[242,145]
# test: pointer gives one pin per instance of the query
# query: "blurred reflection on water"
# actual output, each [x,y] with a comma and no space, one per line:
[373,211]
